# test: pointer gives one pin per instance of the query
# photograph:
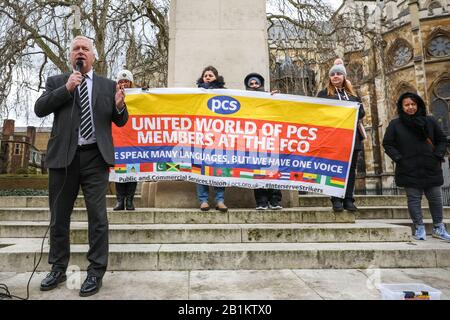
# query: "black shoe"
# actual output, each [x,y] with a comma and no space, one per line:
[129,203]
[262,206]
[120,205]
[349,206]
[90,286]
[275,206]
[52,280]
[337,205]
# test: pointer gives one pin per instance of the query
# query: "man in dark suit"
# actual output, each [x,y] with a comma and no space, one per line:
[79,153]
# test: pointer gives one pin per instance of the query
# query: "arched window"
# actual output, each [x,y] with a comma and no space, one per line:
[440,103]
[433,5]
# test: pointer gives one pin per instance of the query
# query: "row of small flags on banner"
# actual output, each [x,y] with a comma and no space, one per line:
[227,172]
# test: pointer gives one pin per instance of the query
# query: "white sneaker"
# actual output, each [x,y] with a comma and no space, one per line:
[440,232]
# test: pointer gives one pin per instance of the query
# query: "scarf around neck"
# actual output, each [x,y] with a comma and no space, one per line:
[417,124]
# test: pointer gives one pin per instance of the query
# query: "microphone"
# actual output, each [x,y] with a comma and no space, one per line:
[78,65]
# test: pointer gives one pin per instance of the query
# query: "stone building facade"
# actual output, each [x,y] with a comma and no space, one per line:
[406,48]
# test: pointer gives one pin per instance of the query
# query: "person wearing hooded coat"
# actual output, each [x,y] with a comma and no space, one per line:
[210,79]
[340,88]
[417,145]
[265,198]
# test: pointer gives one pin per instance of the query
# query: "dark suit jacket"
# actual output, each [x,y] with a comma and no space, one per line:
[63,140]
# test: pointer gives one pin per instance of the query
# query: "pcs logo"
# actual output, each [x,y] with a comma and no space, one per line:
[223,105]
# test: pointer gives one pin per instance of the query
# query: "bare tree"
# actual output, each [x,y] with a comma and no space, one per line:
[35,35]
[305,37]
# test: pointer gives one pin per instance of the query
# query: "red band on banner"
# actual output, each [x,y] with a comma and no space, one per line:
[235,134]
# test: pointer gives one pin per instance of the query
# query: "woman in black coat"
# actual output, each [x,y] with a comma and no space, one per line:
[340,89]
[417,145]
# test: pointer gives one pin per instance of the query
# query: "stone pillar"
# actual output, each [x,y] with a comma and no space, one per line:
[419,66]
[230,35]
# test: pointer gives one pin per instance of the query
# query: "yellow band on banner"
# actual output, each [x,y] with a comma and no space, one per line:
[253,108]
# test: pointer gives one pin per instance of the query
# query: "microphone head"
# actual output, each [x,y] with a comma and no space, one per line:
[78,64]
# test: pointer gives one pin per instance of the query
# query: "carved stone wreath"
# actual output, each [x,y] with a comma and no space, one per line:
[402,55]
[439,46]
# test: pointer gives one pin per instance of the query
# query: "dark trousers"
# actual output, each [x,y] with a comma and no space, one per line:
[125,189]
[351,178]
[263,196]
[90,171]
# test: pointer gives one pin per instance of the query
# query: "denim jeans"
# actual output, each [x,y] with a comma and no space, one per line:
[203,193]
[434,197]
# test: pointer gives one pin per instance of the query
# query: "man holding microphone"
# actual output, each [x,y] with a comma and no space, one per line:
[79,153]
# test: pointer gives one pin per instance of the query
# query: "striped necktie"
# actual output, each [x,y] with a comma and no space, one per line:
[86,119]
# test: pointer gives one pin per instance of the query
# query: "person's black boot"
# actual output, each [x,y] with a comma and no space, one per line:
[337,204]
[349,205]
[129,203]
[120,205]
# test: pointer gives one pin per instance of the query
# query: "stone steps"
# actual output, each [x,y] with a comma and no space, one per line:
[393,212]
[304,201]
[189,239]
[161,215]
[407,222]
[221,233]
[360,200]
[19,254]
[190,216]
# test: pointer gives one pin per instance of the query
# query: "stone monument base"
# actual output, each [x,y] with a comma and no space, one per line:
[182,194]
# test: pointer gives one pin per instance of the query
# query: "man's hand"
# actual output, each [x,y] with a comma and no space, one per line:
[120,97]
[74,81]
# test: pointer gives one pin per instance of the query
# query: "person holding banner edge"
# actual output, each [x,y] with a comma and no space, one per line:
[210,79]
[125,190]
[265,198]
[340,89]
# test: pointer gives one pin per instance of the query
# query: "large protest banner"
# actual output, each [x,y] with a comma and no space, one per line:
[236,138]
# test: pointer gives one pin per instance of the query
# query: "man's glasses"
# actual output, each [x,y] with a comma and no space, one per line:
[335,74]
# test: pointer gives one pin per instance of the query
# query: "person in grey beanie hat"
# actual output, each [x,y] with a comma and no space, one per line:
[340,88]
[338,68]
